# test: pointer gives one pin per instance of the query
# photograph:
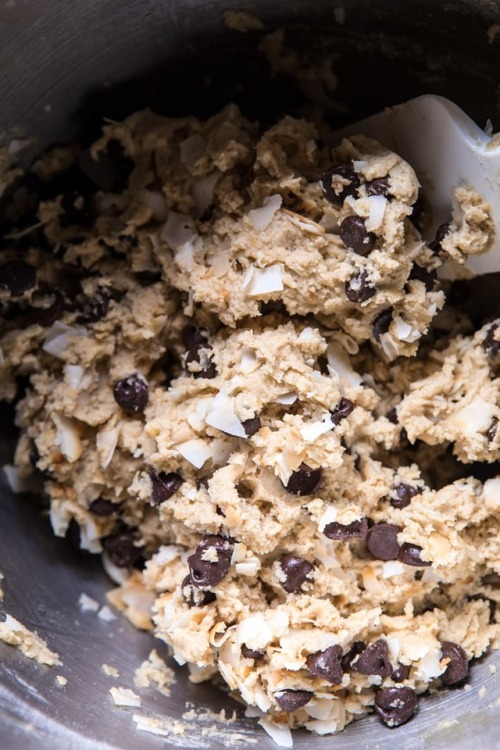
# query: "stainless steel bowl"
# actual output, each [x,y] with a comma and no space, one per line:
[65,66]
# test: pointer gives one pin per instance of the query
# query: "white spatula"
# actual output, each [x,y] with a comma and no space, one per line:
[446,149]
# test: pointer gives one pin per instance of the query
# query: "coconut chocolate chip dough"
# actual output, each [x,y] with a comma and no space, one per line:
[246,388]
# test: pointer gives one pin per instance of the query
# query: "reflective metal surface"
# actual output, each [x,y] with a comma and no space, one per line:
[65,66]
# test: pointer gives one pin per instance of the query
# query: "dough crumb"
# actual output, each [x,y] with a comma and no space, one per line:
[125,697]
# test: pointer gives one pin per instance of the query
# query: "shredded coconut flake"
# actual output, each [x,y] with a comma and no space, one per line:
[262,217]
[195,451]
[476,417]
[339,365]
[222,416]
[287,399]
[203,191]
[125,697]
[404,331]
[87,604]
[67,437]
[16,482]
[106,614]
[392,568]
[59,336]
[377,204]
[313,430]
[281,735]
[178,230]
[263,281]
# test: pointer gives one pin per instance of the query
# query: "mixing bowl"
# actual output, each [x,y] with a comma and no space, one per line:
[65,67]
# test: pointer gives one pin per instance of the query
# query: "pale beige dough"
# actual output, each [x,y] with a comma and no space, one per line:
[228,230]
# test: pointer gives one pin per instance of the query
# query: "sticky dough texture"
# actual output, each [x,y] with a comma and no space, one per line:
[187,211]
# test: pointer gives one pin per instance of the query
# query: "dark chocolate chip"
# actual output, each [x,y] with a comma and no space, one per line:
[304,481]
[374,660]
[380,186]
[326,664]
[409,554]
[164,485]
[249,653]
[357,648]
[121,548]
[346,172]
[252,425]
[441,232]
[404,495]
[291,700]
[401,673]
[395,705]
[194,596]
[211,561]
[457,668]
[46,307]
[491,344]
[96,307]
[381,323]
[132,394]
[342,531]
[198,352]
[492,430]
[103,507]
[112,168]
[382,541]
[392,415]
[17,277]
[355,235]
[341,411]
[296,571]
[426,276]
[491,579]
[147,278]
[358,289]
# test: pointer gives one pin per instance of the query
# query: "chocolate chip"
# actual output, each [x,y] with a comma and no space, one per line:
[147,278]
[457,668]
[355,235]
[380,186]
[164,485]
[131,393]
[491,344]
[441,232]
[382,541]
[121,548]
[381,323]
[358,289]
[17,277]
[409,554]
[194,596]
[492,430]
[199,353]
[110,170]
[341,411]
[357,648]
[426,276]
[252,425]
[304,481]
[491,579]
[401,673]
[395,705]
[392,415]
[344,171]
[326,664]
[404,494]
[374,660]
[103,507]
[211,561]
[291,700]
[296,571]
[249,653]
[342,531]
[46,307]
[96,307]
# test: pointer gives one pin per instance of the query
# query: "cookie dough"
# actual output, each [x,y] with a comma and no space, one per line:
[216,330]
